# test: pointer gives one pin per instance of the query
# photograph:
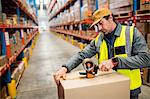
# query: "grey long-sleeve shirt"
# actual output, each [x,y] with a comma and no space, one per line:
[140,57]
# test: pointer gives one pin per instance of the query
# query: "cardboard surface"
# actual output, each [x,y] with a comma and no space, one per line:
[106,85]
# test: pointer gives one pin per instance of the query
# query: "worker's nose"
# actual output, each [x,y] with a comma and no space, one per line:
[99,27]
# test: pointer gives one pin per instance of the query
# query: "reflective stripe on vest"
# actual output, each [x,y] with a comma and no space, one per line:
[120,42]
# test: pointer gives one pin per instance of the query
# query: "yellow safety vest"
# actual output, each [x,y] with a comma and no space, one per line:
[133,74]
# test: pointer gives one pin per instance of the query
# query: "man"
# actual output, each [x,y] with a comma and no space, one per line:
[119,47]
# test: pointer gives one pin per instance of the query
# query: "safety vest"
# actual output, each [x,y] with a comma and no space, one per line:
[124,44]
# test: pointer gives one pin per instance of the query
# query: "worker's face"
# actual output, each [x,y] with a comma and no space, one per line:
[105,25]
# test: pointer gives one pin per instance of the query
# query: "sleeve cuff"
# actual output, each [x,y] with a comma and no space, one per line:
[66,67]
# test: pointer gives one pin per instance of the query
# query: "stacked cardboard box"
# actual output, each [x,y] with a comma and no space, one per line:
[143,28]
[149,75]
[0,45]
[90,33]
[4,18]
[0,14]
[84,12]
[148,41]
[22,21]
[15,42]
[14,19]
[144,4]
[1,19]
[120,6]
[3,92]
[8,21]
[19,44]
[25,37]
[87,9]
[76,11]
[103,4]
[3,60]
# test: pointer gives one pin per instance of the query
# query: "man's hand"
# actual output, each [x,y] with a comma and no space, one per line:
[106,65]
[60,74]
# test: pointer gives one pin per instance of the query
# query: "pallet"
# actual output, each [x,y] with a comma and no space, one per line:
[142,12]
[122,15]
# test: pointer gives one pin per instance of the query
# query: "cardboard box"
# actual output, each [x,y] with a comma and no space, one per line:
[143,28]
[3,60]
[103,4]
[108,85]
[149,75]
[3,92]
[0,46]
[148,40]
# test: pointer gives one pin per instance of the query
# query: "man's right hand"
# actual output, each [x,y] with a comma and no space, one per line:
[60,74]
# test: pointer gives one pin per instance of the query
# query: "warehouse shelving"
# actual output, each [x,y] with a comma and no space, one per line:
[18,32]
[63,8]
[20,4]
[69,33]
[51,5]
[15,26]
[129,16]
[13,58]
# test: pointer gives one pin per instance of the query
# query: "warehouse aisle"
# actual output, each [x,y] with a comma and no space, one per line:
[49,53]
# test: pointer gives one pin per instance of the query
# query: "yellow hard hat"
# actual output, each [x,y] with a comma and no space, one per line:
[99,14]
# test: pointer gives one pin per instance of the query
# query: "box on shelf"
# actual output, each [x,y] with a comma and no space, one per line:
[145,6]
[14,19]
[3,60]
[149,76]
[123,10]
[22,21]
[13,43]
[84,12]
[91,7]
[105,85]
[0,46]
[90,33]
[87,9]
[103,4]
[119,3]
[4,18]
[3,92]
[8,21]
[143,27]
[144,75]
[120,6]
[144,1]
[1,17]
[148,40]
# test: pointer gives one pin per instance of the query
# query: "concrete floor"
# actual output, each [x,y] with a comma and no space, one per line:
[48,55]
